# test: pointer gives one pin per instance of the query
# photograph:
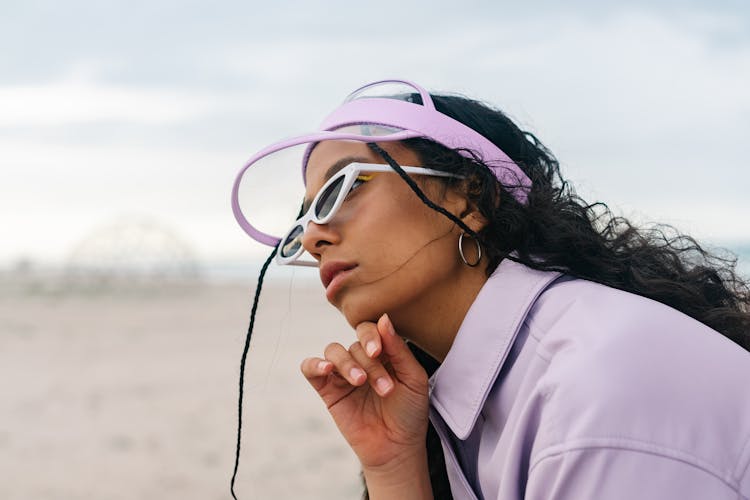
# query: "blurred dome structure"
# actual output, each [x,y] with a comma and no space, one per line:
[131,251]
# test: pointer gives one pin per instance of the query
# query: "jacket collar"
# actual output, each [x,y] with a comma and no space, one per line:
[461,385]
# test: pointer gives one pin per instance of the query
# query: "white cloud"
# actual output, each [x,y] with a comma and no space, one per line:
[649,112]
[79,98]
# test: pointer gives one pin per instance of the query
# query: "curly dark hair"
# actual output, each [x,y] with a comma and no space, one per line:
[556,230]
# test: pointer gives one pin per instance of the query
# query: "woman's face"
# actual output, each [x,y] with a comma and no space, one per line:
[384,251]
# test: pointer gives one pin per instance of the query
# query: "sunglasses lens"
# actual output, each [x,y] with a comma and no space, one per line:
[327,198]
[292,243]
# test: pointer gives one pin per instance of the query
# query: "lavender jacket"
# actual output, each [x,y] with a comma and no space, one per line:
[559,388]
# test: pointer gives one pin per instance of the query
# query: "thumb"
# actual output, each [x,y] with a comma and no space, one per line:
[404,364]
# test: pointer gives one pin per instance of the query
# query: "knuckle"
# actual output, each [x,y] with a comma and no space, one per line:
[374,369]
[370,366]
[366,329]
[331,349]
[362,360]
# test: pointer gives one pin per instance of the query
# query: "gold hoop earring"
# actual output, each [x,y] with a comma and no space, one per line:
[461,251]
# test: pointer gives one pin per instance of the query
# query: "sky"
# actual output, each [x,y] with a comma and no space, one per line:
[147,109]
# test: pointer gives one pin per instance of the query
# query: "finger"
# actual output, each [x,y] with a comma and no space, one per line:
[316,371]
[344,364]
[377,375]
[403,362]
[367,333]
[316,367]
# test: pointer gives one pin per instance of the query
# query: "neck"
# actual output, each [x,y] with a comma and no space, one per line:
[432,320]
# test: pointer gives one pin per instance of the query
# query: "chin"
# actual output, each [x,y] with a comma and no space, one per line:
[357,311]
[354,315]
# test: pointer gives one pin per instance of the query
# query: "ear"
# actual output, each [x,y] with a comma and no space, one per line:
[473,218]
[457,201]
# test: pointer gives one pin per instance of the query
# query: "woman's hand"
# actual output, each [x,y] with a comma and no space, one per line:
[376,392]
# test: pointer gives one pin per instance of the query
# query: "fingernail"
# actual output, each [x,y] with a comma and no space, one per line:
[322,365]
[371,348]
[383,384]
[357,374]
[391,330]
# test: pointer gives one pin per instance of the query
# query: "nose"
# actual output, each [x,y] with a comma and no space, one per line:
[318,237]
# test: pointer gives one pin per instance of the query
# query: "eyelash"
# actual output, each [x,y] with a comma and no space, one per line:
[361,179]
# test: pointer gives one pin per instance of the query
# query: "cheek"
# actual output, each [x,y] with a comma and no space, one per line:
[401,290]
[403,255]
[393,232]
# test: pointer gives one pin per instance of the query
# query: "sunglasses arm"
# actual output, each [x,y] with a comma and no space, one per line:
[303,263]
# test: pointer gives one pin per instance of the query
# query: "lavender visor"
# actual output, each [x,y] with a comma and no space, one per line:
[407,120]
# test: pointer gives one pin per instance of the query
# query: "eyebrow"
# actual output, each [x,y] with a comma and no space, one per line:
[332,170]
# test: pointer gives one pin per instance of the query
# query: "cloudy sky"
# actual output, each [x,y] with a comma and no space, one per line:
[148,108]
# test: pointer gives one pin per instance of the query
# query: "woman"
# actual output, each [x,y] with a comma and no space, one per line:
[554,350]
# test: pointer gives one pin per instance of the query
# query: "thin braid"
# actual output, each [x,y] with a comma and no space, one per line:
[418,192]
[242,365]
[501,254]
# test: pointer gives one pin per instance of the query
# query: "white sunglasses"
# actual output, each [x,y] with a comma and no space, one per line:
[329,199]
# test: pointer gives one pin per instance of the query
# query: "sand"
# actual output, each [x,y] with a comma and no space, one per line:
[132,395]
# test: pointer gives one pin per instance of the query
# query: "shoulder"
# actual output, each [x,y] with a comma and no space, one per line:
[626,372]
[578,317]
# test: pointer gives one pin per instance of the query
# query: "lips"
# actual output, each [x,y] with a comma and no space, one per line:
[330,270]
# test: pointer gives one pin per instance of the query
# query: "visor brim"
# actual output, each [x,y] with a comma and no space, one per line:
[310,139]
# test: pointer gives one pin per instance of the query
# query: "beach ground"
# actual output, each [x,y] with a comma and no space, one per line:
[125,395]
